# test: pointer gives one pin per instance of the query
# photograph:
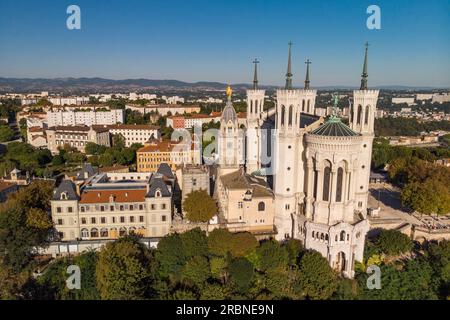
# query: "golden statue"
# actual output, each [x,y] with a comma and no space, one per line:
[229,91]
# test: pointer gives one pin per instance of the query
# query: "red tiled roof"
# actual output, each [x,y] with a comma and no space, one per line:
[103,196]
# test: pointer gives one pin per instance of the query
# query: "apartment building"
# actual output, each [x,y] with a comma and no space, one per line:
[171,152]
[88,118]
[110,205]
[135,133]
[165,109]
[76,136]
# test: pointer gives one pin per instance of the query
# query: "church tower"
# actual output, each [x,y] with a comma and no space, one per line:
[231,143]
[288,173]
[255,105]
[362,118]
[308,96]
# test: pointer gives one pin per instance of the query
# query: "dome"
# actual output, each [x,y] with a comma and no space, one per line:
[334,127]
[229,114]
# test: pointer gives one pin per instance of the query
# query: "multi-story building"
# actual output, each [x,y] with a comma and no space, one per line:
[88,118]
[36,137]
[110,205]
[165,109]
[246,203]
[193,178]
[171,152]
[135,133]
[76,136]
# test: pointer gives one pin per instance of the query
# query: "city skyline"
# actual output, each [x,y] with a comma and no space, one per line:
[182,41]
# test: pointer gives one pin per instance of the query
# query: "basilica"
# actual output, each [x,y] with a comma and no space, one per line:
[302,175]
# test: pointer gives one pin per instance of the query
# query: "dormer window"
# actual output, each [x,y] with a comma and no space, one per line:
[63,195]
[158,193]
[99,195]
[111,198]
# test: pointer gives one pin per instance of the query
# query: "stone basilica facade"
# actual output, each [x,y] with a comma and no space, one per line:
[318,169]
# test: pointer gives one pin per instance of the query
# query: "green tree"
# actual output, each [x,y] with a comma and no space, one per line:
[199,206]
[393,242]
[316,278]
[219,241]
[194,243]
[428,197]
[25,224]
[272,256]
[6,133]
[196,271]
[123,270]
[170,256]
[241,274]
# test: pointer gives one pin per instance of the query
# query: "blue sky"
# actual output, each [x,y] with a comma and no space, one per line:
[216,40]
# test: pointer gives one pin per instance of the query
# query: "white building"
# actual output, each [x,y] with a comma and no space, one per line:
[88,118]
[135,133]
[440,98]
[408,100]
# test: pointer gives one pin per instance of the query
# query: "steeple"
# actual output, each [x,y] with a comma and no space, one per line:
[364,73]
[307,74]
[255,75]
[288,85]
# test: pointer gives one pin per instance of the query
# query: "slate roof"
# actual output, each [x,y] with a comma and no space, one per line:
[164,169]
[157,183]
[88,169]
[69,188]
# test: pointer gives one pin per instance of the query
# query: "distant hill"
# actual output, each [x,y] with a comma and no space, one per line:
[101,85]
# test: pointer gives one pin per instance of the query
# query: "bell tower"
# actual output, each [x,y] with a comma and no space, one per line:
[255,105]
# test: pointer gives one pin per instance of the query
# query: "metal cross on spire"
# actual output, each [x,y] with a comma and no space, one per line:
[255,76]
[307,62]
[289,71]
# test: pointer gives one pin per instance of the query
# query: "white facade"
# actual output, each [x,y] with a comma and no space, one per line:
[135,133]
[255,107]
[88,118]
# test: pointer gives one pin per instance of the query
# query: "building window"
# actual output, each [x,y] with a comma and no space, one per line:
[58,209]
[84,233]
[111,208]
[163,218]
[83,220]
[82,209]
[326,184]
[93,220]
[102,220]
[340,175]
[122,231]
[122,219]
[366,116]
[261,206]
[240,205]
[60,222]
[342,237]
[283,111]
[102,208]
[69,209]
[290,114]
[359,115]
[194,182]
[141,218]
[360,204]
[153,206]
[141,207]
[163,206]
[104,233]
[131,219]
[113,219]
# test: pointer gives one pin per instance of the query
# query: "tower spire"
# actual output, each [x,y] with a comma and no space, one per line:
[289,72]
[255,75]
[364,74]
[307,74]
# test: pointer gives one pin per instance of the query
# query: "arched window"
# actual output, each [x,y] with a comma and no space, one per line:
[261,206]
[256,106]
[64,196]
[251,106]
[351,115]
[122,231]
[283,111]
[132,230]
[359,115]
[326,183]
[322,236]
[104,232]
[366,116]
[307,108]
[158,193]
[291,112]
[303,105]
[94,233]
[84,233]
[342,236]
[313,233]
[340,176]
[326,237]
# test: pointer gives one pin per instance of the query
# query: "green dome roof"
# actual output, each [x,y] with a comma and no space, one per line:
[334,127]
